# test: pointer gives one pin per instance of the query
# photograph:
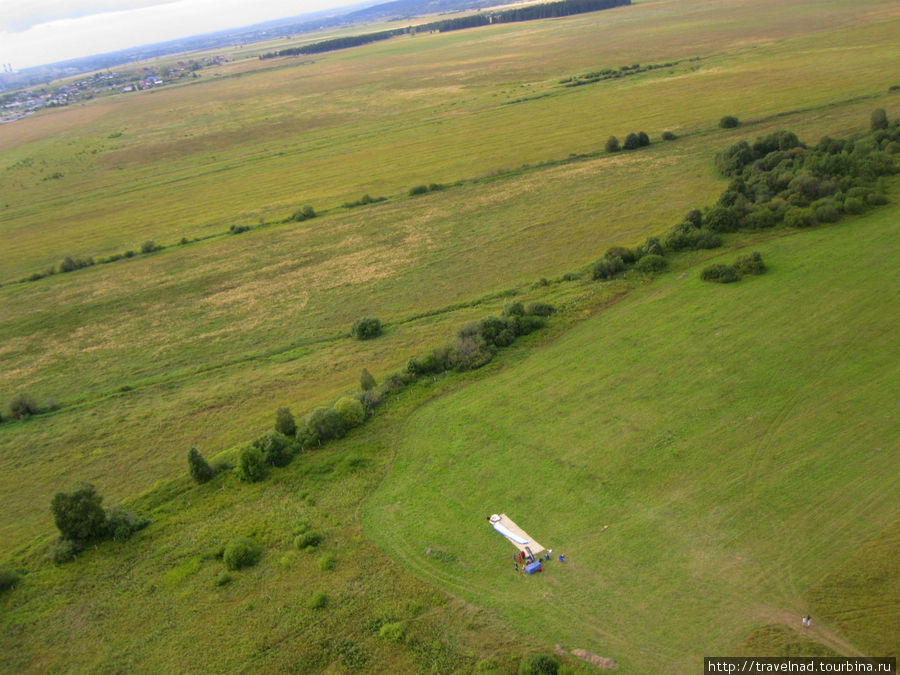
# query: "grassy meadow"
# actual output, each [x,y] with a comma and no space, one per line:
[738,446]
[736,440]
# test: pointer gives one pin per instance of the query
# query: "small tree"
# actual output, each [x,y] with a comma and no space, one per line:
[251,465]
[632,142]
[669,136]
[284,422]
[879,119]
[366,328]
[729,122]
[643,138]
[79,514]
[200,469]
[612,144]
[366,381]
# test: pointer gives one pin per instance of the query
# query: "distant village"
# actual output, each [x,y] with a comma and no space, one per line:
[15,105]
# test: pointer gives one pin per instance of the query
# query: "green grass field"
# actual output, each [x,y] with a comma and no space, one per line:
[736,439]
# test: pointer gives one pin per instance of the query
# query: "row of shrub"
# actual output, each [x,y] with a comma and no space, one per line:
[473,346]
[613,73]
[751,264]
[365,200]
[423,189]
[633,141]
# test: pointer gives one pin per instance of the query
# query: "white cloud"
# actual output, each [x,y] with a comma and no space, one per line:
[20,15]
[72,33]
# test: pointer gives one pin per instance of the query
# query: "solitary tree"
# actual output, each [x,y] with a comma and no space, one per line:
[366,328]
[78,514]
[729,122]
[200,469]
[879,119]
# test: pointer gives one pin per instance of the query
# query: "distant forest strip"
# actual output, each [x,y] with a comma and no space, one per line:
[543,11]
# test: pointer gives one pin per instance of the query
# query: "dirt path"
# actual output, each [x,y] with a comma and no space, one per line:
[818,633]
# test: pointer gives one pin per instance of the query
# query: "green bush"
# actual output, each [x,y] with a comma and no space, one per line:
[317,600]
[651,246]
[418,190]
[513,309]
[539,309]
[760,219]
[853,205]
[149,247]
[307,540]
[827,213]
[284,422]
[199,468]
[326,562]
[64,550]
[366,328]
[22,407]
[305,213]
[241,552]
[723,274]
[750,264]
[729,122]
[612,144]
[470,352]
[879,119]
[694,217]
[876,199]
[8,579]
[122,523]
[632,142]
[251,466]
[322,424]
[643,139]
[652,263]
[538,664]
[79,514]
[626,254]
[669,136]
[276,448]
[800,217]
[607,267]
[433,362]
[392,632]
[721,219]
[366,381]
[351,411]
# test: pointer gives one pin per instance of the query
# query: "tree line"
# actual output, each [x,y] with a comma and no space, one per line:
[542,11]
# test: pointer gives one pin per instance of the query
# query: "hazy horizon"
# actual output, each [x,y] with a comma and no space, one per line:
[39,32]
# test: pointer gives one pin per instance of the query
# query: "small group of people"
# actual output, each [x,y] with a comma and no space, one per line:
[807,621]
[523,558]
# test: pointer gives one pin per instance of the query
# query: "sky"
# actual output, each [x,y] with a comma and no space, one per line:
[35,32]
